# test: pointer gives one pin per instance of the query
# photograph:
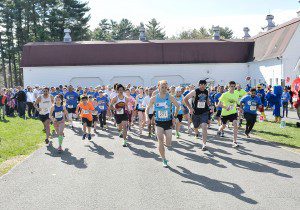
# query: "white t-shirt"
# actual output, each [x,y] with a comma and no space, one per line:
[30,97]
[146,102]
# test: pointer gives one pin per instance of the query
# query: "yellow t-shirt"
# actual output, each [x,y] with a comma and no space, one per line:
[229,100]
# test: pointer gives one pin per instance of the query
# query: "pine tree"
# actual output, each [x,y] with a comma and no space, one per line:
[154,31]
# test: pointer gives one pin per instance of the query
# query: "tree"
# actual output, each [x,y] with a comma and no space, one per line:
[154,31]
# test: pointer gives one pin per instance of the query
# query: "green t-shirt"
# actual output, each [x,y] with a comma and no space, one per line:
[241,93]
[229,99]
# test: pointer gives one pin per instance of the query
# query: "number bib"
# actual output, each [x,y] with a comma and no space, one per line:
[85,111]
[252,108]
[70,106]
[101,107]
[120,112]
[95,112]
[58,115]
[201,104]
[163,114]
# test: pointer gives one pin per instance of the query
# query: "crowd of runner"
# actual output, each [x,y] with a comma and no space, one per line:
[159,109]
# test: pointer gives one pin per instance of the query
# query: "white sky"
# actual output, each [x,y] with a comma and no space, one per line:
[178,15]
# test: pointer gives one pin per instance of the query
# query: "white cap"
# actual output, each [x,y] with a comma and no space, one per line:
[178,89]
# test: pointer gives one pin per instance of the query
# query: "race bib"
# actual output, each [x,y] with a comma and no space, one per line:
[45,110]
[230,107]
[101,107]
[201,104]
[95,112]
[70,106]
[85,111]
[58,115]
[252,108]
[120,111]
[163,114]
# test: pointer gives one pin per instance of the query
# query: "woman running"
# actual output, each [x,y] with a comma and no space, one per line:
[141,110]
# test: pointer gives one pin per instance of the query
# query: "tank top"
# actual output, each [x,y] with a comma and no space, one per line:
[120,104]
[140,103]
[45,105]
[180,103]
[200,104]
[58,112]
[162,107]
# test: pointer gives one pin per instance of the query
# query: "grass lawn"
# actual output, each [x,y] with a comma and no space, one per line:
[288,136]
[18,138]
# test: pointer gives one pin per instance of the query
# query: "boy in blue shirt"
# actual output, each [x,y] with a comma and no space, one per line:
[102,105]
[285,98]
[71,103]
[248,106]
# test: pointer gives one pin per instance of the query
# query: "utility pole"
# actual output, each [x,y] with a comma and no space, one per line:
[3,61]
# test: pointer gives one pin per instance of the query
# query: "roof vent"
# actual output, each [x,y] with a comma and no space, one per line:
[216,30]
[271,24]
[246,31]
[67,37]
[142,37]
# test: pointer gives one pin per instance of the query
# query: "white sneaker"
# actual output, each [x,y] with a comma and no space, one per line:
[204,148]
[235,145]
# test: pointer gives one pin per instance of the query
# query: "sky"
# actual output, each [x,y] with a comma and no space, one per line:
[178,15]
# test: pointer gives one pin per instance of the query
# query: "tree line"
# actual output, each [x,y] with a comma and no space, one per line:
[24,21]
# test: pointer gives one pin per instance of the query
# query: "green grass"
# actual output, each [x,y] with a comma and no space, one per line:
[271,131]
[18,138]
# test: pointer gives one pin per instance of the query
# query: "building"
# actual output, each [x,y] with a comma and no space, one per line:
[271,57]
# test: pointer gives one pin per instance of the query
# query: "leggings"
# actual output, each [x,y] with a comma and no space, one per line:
[250,121]
[285,108]
[102,118]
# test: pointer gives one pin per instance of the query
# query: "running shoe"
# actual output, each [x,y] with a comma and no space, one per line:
[204,148]
[177,135]
[165,163]
[89,136]
[120,135]
[84,136]
[235,145]
[46,141]
[219,133]
[222,134]
[196,136]
[124,143]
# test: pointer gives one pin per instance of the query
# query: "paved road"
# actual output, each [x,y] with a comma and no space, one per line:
[101,174]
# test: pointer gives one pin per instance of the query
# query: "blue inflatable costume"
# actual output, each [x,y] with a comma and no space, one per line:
[275,100]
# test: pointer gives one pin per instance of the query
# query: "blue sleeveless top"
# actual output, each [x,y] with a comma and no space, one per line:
[180,103]
[140,103]
[58,112]
[162,108]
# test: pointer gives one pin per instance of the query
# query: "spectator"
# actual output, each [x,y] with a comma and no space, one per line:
[285,98]
[21,101]
[30,102]
[2,104]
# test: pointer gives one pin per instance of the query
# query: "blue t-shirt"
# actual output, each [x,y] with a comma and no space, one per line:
[71,99]
[212,97]
[133,95]
[285,97]
[89,93]
[216,100]
[102,103]
[180,103]
[96,95]
[250,103]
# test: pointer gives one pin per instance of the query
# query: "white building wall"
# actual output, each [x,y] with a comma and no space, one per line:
[268,72]
[291,58]
[135,74]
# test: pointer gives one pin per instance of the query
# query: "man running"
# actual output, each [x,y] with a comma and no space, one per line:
[248,106]
[228,102]
[163,117]
[86,109]
[179,99]
[71,103]
[216,99]
[103,106]
[241,93]
[43,104]
[199,110]
[58,114]
[150,113]
[119,104]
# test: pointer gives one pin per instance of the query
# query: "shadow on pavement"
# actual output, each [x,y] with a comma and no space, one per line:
[213,184]
[143,153]
[100,150]
[66,157]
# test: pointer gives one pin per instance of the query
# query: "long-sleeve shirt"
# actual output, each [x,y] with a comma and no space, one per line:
[20,96]
[285,97]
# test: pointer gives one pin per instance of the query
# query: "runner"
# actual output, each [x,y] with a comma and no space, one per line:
[119,104]
[260,92]
[3,101]
[43,104]
[150,113]
[58,114]
[141,110]
[179,99]
[85,108]
[130,108]
[199,110]
[103,106]
[248,106]
[218,109]
[95,114]
[241,93]
[228,101]
[163,116]
[71,103]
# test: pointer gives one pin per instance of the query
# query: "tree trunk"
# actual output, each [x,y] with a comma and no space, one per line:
[3,62]
[10,82]
[16,81]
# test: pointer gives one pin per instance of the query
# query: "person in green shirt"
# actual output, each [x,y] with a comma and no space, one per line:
[241,93]
[228,102]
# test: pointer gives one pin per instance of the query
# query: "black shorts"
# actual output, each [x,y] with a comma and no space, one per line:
[229,118]
[218,113]
[150,116]
[199,119]
[88,123]
[166,125]
[179,117]
[121,117]
[250,117]
[43,118]
[95,118]
[71,110]
[141,110]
